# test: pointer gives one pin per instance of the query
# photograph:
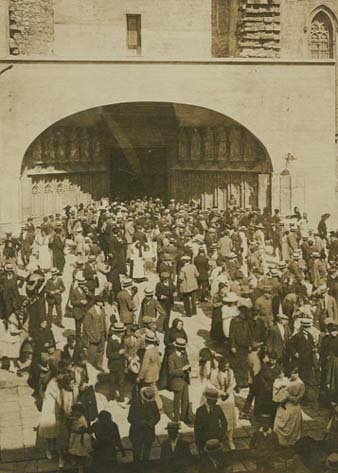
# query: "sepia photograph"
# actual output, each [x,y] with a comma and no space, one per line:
[168,236]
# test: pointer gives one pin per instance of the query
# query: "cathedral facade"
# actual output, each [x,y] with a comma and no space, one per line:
[211,101]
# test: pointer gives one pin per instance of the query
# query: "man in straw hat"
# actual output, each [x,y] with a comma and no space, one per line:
[126,303]
[303,353]
[116,361]
[79,299]
[95,333]
[210,422]
[175,451]
[149,373]
[278,338]
[151,307]
[178,371]
[143,417]
[54,289]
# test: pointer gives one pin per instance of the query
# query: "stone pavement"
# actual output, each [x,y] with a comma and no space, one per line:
[21,450]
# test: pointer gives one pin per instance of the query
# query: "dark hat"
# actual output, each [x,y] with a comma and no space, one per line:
[175,426]
[99,298]
[211,393]
[213,445]
[147,393]
[165,275]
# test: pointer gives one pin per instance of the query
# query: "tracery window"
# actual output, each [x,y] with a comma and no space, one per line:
[321,37]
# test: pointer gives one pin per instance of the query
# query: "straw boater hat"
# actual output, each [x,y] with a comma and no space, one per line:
[230,298]
[147,393]
[305,322]
[180,343]
[244,302]
[9,267]
[91,258]
[54,271]
[149,291]
[231,256]
[282,265]
[332,462]
[119,327]
[80,279]
[282,316]
[186,258]
[150,336]
[147,320]
[274,273]
[127,283]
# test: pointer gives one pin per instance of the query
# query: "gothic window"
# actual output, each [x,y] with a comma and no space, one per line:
[321,37]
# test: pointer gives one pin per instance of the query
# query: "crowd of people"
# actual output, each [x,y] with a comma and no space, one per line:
[269,284]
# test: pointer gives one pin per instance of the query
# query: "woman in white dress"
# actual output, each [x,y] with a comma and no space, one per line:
[208,364]
[223,379]
[217,275]
[137,261]
[48,426]
[44,254]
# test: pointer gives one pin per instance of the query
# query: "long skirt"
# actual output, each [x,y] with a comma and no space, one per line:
[288,423]
[229,410]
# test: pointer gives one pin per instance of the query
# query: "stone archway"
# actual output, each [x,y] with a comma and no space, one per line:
[157,149]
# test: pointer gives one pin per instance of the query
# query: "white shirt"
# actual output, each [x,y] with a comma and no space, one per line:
[281,328]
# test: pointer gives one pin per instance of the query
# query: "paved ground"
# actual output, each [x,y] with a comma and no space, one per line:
[21,450]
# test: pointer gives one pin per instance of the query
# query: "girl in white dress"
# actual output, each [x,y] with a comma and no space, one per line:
[223,379]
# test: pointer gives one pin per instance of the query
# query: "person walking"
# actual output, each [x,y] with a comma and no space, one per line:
[143,417]
[178,380]
[188,285]
[94,333]
[210,421]
[54,289]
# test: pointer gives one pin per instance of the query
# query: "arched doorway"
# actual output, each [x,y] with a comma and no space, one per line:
[156,149]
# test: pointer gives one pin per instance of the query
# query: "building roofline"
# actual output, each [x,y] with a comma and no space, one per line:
[143,60]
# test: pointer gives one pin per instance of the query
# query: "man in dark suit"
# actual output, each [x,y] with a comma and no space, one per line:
[214,460]
[178,370]
[278,338]
[126,303]
[90,274]
[54,289]
[10,284]
[164,291]
[79,300]
[210,422]
[175,452]
[201,262]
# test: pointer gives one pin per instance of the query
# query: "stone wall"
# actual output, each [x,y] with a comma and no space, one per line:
[259,28]
[224,19]
[31,27]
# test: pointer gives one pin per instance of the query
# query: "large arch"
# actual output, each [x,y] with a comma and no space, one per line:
[269,98]
[152,148]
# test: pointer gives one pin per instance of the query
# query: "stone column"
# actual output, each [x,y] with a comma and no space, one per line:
[4,28]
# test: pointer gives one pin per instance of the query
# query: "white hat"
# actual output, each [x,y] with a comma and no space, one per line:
[230,298]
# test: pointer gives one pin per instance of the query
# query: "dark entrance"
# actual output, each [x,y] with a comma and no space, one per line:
[145,149]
